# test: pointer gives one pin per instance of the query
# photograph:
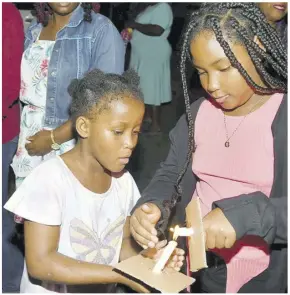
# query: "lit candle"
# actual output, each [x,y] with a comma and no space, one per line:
[182,232]
[167,252]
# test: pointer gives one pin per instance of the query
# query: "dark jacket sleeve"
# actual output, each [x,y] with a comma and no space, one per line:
[162,185]
[256,214]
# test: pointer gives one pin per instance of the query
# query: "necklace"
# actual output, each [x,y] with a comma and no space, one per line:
[227,142]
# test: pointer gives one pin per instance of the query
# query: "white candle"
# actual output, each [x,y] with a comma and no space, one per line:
[167,252]
[182,231]
[185,231]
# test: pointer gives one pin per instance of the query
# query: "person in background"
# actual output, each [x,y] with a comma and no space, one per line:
[65,41]
[12,48]
[150,57]
[230,151]
[276,14]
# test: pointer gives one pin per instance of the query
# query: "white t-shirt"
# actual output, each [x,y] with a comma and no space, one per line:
[91,224]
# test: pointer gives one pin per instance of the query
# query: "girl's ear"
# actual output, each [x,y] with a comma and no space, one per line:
[258,42]
[83,127]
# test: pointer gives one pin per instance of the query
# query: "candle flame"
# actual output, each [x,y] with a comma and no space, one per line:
[181,231]
[175,232]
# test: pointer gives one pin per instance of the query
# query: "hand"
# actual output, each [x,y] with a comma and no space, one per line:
[142,225]
[219,233]
[130,24]
[175,261]
[40,143]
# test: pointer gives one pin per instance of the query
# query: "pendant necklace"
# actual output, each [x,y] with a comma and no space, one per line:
[227,142]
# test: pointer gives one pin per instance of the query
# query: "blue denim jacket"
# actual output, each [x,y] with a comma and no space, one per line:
[79,47]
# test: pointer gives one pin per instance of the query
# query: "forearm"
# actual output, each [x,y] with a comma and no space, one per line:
[129,248]
[162,186]
[148,29]
[62,269]
[64,132]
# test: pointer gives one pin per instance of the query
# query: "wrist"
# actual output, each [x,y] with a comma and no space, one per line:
[135,26]
[54,145]
[56,136]
[119,279]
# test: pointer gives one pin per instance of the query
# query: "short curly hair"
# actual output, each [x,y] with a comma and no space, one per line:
[43,11]
[96,90]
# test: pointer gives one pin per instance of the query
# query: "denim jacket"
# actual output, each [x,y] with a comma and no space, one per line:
[79,47]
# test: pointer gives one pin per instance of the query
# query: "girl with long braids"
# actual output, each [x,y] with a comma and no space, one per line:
[65,41]
[235,156]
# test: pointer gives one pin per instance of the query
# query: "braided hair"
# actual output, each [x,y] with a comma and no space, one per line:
[96,90]
[43,11]
[238,22]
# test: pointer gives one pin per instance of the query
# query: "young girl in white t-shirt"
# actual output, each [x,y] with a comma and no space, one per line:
[77,206]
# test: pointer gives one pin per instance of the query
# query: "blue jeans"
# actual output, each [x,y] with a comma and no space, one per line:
[12,258]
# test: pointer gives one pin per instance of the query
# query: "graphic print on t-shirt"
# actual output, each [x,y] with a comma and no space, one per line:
[93,247]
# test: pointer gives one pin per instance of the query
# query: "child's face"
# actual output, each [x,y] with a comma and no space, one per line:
[223,82]
[114,134]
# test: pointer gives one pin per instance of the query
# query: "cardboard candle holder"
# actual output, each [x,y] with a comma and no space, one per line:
[167,281]
[196,242]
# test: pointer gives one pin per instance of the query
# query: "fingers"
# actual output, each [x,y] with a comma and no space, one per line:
[220,240]
[146,222]
[176,260]
[144,243]
[178,265]
[142,224]
[150,253]
[230,240]
[219,232]
[143,229]
[175,264]
[161,244]
[147,208]
[179,251]
[210,240]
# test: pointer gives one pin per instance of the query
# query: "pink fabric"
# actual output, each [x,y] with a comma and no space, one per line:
[244,167]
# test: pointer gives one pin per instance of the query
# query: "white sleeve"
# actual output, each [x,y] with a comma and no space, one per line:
[39,197]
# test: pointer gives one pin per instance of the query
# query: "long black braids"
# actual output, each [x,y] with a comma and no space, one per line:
[176,197]
[43,11]
[234,22]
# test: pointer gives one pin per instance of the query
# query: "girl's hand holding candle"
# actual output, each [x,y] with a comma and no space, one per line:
[166,254]
[170,248]
[174,261]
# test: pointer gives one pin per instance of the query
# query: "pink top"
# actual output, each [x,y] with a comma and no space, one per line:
[244,167]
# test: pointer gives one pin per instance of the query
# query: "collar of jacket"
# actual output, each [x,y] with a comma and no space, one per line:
[76,19]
